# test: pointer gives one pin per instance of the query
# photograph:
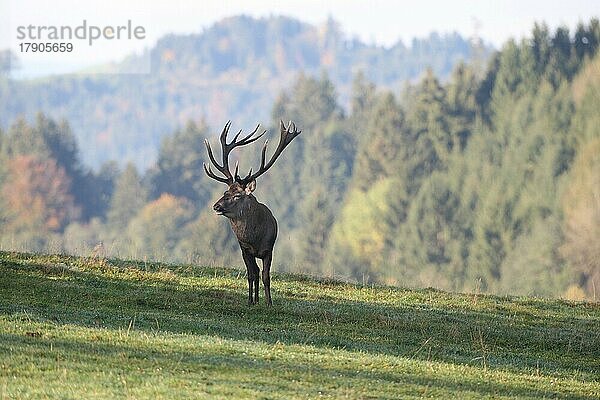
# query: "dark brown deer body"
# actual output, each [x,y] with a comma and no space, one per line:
[252,222]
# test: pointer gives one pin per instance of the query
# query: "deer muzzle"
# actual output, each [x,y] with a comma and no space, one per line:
[218,207]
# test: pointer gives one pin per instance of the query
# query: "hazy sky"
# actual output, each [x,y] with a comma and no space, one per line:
[373,21]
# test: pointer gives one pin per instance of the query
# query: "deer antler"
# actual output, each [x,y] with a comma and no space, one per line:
[226,149]
[287,135]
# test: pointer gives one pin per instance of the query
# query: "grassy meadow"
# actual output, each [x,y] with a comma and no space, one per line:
[75,328]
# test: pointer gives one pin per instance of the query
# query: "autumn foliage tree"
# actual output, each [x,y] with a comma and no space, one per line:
[37,198]
[581,205]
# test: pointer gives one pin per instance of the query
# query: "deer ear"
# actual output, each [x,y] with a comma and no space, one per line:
[250,187]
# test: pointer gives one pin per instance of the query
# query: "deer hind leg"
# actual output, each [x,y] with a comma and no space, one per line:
[256,282]
[266,277]
[253,273]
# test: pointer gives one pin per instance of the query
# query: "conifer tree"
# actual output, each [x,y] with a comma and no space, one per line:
[128,198]
[431,140]
[311,105]
[383,150]
[179,168]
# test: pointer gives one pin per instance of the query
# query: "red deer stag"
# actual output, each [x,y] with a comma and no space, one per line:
[252,222]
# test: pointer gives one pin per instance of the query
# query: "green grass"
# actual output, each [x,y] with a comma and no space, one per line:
[79,328]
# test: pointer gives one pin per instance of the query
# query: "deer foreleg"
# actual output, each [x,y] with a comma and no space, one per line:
[253,272]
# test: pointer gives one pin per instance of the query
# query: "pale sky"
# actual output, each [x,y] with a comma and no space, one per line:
[373,21]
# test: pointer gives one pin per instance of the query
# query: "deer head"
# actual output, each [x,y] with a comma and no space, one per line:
[240,189]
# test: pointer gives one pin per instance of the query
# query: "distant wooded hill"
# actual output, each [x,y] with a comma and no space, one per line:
[232,70]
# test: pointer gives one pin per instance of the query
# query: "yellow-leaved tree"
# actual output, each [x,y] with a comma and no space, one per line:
[581,206]
[158,227]
[363,231]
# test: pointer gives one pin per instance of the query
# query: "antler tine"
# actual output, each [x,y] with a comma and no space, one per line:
[222,168]
[223,136]
[248,176]
[210,154]
[236,136]
[287,135]
[212,174]
[255,138]
[249,139]
[263,155]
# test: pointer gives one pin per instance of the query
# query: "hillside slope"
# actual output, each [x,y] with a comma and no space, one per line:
[90,328]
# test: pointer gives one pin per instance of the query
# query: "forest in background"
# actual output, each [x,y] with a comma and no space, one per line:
[487,181]
[234,69]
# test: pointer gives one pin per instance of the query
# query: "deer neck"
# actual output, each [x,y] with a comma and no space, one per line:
[245,212]
[246,223]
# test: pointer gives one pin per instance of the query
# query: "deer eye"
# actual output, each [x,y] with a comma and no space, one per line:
[237,196]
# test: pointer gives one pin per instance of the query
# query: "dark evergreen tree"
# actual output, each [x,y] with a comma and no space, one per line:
[436,235]
[462,105]
[179,168]
[384,148]
[363,99]
[326,174]
[431,140]
[311,105]
[104,185]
